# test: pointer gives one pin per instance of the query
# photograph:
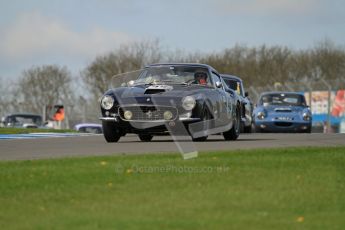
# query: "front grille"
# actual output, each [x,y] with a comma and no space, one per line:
[147,113]
[283,110]
[283,124]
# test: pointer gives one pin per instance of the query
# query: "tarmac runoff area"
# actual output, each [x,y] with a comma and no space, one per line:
[42,147]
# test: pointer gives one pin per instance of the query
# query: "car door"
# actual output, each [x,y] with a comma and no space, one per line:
[223,101]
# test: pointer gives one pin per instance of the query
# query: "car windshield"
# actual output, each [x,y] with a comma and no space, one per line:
[174,75]
[282,99]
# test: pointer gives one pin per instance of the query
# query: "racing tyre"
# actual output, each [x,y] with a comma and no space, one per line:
[111,132]
[258,130]
[234,132]
[206,116]
[247,129]
[145,137]
[308,130]
[200,139]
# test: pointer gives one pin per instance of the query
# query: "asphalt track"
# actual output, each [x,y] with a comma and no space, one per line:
[42,148]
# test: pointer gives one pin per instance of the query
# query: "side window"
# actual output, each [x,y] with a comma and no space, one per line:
[239,88]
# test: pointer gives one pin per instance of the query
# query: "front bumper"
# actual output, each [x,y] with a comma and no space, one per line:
[117,119]
[177,126]
[150,118]
[282,126]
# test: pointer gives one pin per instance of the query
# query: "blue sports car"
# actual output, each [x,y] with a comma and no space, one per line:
[282,112]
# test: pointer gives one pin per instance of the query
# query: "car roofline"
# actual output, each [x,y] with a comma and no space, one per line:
[183,64]
[281,92]
[231,77]
[23,114]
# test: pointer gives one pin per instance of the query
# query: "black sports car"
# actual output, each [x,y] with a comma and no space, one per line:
[236,84]
[175,99]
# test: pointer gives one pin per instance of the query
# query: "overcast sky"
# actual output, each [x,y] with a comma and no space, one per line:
[73,32]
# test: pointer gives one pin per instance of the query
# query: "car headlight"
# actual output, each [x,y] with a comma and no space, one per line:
[128,115]
[167,115]
[188,103]
[107,102]
[261,115]
[306,116]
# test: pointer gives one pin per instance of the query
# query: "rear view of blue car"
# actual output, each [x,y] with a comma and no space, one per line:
[282,112]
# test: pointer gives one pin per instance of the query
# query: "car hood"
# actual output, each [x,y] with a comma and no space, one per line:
[159,91]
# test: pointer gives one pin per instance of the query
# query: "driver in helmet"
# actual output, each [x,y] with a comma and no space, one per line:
[200,78]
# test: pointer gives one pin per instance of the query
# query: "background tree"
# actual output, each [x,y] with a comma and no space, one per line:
[329,59]
[5,97]
[260,67]
[97,76]
[43,85]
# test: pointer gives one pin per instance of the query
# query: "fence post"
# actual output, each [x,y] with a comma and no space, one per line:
[310,90]
[329,104]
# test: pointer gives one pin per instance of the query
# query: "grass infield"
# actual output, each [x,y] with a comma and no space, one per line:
[6,130]
[292,188]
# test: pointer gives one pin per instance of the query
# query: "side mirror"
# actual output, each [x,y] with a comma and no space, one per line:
[246,94]
[219,84]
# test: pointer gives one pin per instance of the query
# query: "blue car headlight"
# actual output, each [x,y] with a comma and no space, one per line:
[306,116]
[261,115]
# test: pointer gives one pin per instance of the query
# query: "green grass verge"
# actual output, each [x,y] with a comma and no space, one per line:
[5,130]
[293,188]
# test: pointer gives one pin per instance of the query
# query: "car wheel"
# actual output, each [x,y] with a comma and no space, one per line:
[145,137]
[242,127]
[247,129]
[307,130]
[111,133]
[258,130]
[206,116]
[234,132]
[200,139]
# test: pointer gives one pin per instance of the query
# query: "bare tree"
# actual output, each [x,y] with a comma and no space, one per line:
[40,86]
[330,59]
[97,76]
[5,97]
